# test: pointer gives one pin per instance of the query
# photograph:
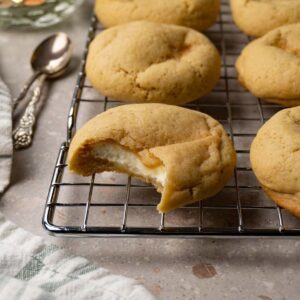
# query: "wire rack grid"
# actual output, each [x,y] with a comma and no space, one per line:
[115,205]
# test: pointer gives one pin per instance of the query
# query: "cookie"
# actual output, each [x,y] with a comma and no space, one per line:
[150,62]
[185,154]
[197,14]
[269,67]
[257,17]
[275,158]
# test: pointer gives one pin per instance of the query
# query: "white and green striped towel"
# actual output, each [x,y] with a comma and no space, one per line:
[6,149]
[32,270]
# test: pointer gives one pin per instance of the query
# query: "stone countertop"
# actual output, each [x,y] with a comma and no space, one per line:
[171,268]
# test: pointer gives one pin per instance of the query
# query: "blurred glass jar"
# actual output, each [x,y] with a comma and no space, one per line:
[35,13]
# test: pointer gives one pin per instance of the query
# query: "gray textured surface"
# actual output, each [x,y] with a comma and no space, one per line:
[245,269]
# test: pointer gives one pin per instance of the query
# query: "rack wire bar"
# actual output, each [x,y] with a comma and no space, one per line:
[229,113]
[88,203]
[114,205]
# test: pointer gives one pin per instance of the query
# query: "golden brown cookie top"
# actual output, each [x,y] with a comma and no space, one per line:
[270,66]
[153,45]
[145,126]
[285,38]
[197,14]
[258,17]
[149,62]
[275,152]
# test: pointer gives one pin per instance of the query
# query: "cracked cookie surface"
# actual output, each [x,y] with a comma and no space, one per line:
[269,67]
[257,17]
[149,62]
[275,158]
[197,14]
[185,154]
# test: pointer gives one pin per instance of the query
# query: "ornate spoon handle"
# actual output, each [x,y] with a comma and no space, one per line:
[25,89]
[22,135]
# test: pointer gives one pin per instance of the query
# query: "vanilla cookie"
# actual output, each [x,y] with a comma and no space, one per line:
[185,154]
[275,158]
[150,62]
[197,14]
[257,17]
[269,67]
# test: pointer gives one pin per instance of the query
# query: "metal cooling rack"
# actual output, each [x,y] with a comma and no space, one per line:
[114,205]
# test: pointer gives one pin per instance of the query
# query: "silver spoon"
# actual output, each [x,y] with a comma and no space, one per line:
[50,56]
[49,60]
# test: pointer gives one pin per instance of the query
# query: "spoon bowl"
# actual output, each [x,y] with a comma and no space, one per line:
[52,55]
[50,58]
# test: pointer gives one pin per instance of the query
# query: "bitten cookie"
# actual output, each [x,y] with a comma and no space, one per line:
[269,67]
[185,154]
[275,158]
[257,17]
[150,62]
[197,14]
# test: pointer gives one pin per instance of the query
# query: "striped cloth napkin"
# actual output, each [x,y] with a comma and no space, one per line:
[32,269]
[6,149]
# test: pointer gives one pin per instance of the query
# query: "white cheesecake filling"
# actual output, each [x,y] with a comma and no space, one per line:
[119,156]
